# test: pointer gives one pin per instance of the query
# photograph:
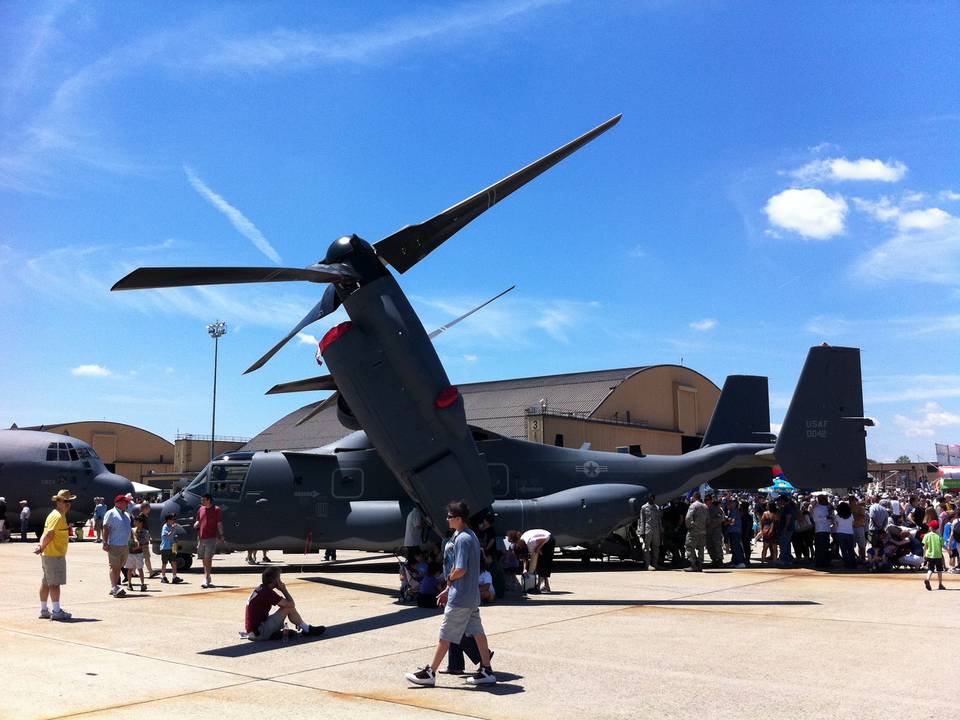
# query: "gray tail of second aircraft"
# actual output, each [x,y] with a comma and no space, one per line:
[742,415]
[823,442]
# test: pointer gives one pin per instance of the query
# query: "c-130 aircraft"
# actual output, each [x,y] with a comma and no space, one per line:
[413,446]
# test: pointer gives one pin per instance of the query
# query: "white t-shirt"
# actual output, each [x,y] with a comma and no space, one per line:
[485,578]
[844,526]
[25,513]
[894,507]
[534,539]
[821,518]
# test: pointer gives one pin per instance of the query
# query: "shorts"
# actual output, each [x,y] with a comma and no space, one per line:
[860,535]
[934,564]
[458,622]
[54,570]
[268,627]
[167,556]
[118,556]
[206,547]
[134,561]
[98,524]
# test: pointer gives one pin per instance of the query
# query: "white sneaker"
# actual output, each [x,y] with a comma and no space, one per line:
[60,614]
[44,615]
[425,676]
[483,676]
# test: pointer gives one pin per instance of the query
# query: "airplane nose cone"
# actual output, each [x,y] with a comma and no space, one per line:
[108,485]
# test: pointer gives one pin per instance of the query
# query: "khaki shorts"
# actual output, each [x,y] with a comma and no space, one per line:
[458,622]
[118,556]
[54,570]
[268,627]
[206,547]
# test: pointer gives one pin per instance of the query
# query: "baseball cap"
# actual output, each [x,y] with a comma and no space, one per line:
[933,524]
[119,498]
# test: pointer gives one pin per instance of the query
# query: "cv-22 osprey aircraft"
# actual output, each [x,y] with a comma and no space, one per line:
[389,382]
[35,465]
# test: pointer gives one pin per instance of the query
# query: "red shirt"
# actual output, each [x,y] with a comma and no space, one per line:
[209,518]
[258,606]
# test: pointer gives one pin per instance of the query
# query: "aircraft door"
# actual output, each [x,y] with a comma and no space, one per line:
[226,484]
[499,479]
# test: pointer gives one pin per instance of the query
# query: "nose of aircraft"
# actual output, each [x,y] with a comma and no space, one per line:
[108,485]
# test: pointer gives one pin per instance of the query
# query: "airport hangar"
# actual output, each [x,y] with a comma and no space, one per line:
[655,409]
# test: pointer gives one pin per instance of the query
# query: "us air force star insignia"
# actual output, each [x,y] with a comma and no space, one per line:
[591,469]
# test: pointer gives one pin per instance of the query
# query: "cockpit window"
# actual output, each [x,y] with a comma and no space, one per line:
[61,452]
[199,484]
[226,480]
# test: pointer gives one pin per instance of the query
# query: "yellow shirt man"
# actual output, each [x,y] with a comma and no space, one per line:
[57,547]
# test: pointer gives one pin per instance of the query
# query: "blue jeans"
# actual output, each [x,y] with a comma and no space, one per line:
[847,549]
[786,558]
[736,548]
[821,549]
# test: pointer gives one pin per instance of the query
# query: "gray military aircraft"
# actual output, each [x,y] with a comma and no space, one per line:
[414,447]
[35,465]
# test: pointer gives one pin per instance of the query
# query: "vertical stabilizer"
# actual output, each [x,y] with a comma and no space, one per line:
[742,414]
[823,442]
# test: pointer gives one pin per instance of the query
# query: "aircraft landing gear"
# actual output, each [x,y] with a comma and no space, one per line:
[184,561]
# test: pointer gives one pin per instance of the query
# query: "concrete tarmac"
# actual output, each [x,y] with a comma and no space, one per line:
[610,642]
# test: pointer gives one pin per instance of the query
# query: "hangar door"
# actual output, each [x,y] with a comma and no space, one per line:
[686,404]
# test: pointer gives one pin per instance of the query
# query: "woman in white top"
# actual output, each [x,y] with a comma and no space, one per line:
[844,526]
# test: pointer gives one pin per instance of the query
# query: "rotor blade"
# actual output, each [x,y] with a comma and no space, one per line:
[406,247]
[321,382]
[328,303]
[444,328]
[318,409]
[161,277]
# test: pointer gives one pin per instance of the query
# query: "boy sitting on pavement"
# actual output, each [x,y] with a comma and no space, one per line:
[261,624]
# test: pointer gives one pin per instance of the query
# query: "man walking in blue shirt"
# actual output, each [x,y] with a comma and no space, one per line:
[461,616]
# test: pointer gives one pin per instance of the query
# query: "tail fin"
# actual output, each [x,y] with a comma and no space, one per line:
[822,442]
[742,414]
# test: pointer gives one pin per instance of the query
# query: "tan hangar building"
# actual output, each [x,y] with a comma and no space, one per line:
[655,409]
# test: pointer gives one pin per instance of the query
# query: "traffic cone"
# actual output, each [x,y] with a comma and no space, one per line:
[90,533]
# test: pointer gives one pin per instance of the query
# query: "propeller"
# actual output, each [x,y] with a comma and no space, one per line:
[350,260]
[409,245]
[163,277]
[324,404]
[444,328]
[328,304]
[320,382]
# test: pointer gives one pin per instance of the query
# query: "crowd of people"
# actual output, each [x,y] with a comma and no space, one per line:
[873,532]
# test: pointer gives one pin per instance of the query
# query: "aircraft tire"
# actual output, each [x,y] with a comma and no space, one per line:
[184,561]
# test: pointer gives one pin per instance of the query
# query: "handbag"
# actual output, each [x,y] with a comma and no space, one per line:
[529,581]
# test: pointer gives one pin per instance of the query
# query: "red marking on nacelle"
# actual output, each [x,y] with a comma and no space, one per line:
[447,397]
[334,334]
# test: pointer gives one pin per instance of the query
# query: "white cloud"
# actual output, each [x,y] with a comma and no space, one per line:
[705,324]
[910,388]
[90,371]
[842,169]
[928,254]
[470,358]
[296,48]
[923,219]
[931,417]
[883,209]
[949,195]
[637,252]
[307,338]
[809,212]
[243,225]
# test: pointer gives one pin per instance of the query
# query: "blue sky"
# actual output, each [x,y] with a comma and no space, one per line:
[783,175]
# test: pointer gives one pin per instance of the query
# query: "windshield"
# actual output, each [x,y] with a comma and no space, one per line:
[199,484]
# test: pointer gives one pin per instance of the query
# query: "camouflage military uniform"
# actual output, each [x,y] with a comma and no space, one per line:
[715,521]
[697,517]
[648,528]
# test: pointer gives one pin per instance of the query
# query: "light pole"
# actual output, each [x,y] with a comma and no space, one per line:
[217,330]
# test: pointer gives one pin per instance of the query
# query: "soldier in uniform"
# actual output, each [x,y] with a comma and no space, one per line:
[696,521]
[715,523]
[649,528]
